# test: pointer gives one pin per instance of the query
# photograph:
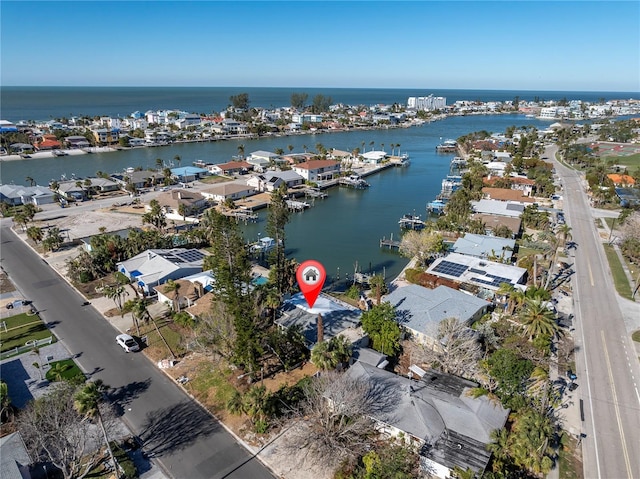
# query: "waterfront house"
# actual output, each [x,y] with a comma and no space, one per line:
[338,318]
[434,412]
[72,190]
[21,195]
[261,159]
[491,222]
[303,118]
[318,170]
[188,173]
[272,180]
[139,178]
[20,148]
[231,168]
[621,180]
[502,208]
[373,157]
[485,275]
[521,183]
[233,190]
[505,194]
[193,202]
[486,247]
[157,266]
[77,141]
[106,136]
[420,310]
[47,142]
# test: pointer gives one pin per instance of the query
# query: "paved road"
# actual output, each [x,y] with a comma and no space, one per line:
[187,442]
[607,366]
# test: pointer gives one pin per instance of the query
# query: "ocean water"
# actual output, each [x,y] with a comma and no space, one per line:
[342,231]
[45,103]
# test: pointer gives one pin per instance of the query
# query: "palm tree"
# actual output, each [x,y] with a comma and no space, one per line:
[241,151]
[87,403]
[328,354]
[378,284]
[290,148]
[116,293]
[159,163]
[174,286]
[538,381]
[506,290]
[177,159]
[30,180]
[499,448]
[371,143]
[34,234]
[538,319]
[182,210]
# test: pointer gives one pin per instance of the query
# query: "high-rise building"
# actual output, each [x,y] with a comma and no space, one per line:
[427,103]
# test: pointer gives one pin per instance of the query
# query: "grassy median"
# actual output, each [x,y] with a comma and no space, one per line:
[619,276]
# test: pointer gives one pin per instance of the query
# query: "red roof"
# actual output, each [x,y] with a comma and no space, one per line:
[315,164]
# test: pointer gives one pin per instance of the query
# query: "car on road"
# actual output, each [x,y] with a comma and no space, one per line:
[127,342]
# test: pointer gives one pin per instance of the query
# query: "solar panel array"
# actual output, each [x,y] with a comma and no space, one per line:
[190,256]
[449,268]
[495,280]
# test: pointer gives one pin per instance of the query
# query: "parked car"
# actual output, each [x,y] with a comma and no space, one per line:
[127,342]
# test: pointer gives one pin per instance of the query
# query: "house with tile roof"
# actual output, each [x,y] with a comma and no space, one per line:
[621,180]
[194,202]
[435,412]
[231,168]
[506,194]
[492,222]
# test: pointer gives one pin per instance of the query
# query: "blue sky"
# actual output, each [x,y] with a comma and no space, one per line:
[515,45]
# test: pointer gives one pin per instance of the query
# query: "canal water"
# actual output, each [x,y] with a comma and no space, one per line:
[342,231]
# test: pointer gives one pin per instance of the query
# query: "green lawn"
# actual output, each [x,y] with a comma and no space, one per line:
[569,458]
[66,370]
[22,328]
[619,277]
[631,161]
[636,336]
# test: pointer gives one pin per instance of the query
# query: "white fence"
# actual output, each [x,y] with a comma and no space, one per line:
[27,347]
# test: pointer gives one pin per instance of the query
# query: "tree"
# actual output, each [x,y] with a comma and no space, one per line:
[298,100]
[382,328]
[277,219]
[178,160]
[334,419]
[54,239]
[116,292]
[54,431]
[511,371]
[35,234]
[421,245]
[182,210]
[174,286]
[379,286]
[538,319]
[30,180]
[328,355]
[87,402]
[321,104]
[231,267]
[5,402]
[240,101]
[241,151]
[21,219]
[139,312]
[155,216]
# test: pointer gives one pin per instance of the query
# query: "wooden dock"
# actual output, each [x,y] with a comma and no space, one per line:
[297,205]
[314,193]
[389,243]
[243,215]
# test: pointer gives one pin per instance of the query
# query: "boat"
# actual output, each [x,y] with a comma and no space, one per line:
[24,156]
[436,207]
[411,222]
[59,153]
[354,181]
[448,146]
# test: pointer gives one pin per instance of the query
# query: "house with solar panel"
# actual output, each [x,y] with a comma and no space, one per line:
[420,310]
[156,266]
[485,275]
[434,412]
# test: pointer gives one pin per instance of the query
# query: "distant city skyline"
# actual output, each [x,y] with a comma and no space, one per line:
[519,45]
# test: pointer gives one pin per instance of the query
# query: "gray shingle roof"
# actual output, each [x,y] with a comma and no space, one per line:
[13,456]
[421,309]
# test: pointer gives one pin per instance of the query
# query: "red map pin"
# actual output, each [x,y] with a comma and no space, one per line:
[311,276]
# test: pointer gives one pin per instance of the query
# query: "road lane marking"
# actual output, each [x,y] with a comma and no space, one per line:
[615,406]
[590,272]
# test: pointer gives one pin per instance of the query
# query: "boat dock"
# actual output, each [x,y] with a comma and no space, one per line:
[314,193]
[411,222]
[353,181]
[448,146]
[389,243]
[297,205]
[242,214]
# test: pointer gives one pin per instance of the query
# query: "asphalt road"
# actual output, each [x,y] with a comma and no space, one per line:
[606,362]
[186,441]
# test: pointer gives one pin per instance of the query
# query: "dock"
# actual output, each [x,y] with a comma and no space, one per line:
[353,181]
[242,214]
[389,243]
[314,193]
[411,222]
[297,205]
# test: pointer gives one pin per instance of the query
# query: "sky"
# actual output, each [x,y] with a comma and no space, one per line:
[503,45]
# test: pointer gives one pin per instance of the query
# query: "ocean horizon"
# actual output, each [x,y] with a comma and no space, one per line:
[45,103]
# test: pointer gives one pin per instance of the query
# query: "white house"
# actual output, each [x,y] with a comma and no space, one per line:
[318,170]
[233,190]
